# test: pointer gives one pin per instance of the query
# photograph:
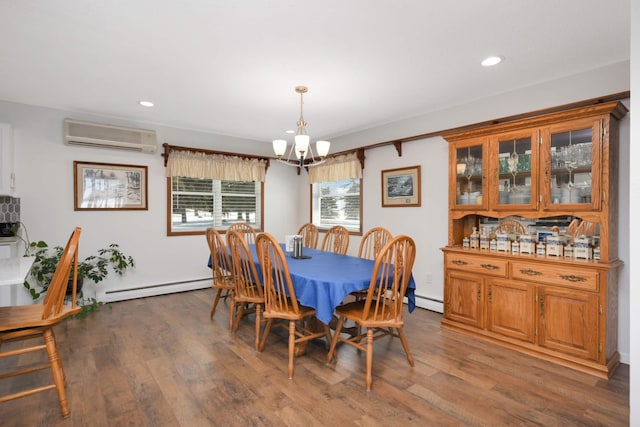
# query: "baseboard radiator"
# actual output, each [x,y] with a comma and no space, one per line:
[153,290]
[189,285]
[430,303]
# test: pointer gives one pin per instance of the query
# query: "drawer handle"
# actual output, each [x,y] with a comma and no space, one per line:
[572,278]
[489,266]
[459,262]
[530,272]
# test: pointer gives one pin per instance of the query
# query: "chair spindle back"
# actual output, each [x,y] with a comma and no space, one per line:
[389,279]
[373,241]
[279,295]
[246,230]
[309,233]
[336,240]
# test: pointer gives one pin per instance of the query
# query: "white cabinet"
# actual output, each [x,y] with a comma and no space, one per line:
[6,160]
[8,248]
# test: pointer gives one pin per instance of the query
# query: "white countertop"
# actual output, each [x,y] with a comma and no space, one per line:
[14,270]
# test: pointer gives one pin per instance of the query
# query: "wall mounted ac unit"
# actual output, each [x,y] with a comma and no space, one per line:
[107,136]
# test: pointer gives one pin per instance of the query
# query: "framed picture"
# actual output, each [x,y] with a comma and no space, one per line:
[401,187]
[108,186]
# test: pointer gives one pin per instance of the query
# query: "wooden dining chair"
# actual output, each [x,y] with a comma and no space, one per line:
[381,313]
[221,269]
[370,246]
[309,233]
[336,240]
[28,322]
[247,296]
[245,229]
[280,298]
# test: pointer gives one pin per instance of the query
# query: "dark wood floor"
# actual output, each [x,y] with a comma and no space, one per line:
[160,361]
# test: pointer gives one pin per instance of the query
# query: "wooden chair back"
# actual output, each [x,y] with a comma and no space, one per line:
[309,233]
[246,230]
[336,240]
[221,267]
[373,241]
[54,299]
[245,276]
[389,280]
[221,270]
[279,295]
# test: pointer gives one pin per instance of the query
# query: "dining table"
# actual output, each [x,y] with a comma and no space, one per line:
[322,279]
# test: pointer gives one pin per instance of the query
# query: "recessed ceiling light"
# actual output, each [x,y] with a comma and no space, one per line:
[146,103]
[491,61]
[290,131]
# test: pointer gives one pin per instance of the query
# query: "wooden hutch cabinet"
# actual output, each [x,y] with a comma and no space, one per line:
[554,166]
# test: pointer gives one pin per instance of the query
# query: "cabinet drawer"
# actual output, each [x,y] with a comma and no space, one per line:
[477,264]
[555,275]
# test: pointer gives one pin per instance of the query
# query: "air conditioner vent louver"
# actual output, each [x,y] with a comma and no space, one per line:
[108,136]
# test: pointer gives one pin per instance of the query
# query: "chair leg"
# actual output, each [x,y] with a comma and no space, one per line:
[56,370]
[258,311]
[292,345]
[265,334]
[327,334]
[64,377]
[336,336]
[215,303]
[369,379]
[239,314]
[405,345]
[232,312]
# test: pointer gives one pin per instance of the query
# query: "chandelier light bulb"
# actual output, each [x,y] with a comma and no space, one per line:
[279,147]
[322,147]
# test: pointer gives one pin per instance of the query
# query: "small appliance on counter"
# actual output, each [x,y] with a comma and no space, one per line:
[7,229]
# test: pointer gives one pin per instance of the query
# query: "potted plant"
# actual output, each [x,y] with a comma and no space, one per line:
[94,267]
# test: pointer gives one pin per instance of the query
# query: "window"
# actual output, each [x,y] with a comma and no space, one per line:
[200,203]
[337,203]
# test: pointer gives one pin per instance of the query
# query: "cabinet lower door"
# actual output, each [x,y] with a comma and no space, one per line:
[569,322]
[510,309]
[463,299]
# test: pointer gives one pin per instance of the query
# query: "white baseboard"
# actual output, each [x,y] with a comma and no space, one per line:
[624,358]
[153,290]
[430,304]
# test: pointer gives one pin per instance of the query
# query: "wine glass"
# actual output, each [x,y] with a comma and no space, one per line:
[570,164]
[513,166]
[469,173]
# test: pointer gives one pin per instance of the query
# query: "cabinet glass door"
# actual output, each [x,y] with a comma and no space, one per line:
[571,165]
[515,184]
[469,170]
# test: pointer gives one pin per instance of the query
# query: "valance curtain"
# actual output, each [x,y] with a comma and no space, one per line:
[337,168]
[195,164]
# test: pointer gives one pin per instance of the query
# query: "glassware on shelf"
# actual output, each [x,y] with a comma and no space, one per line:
[469,174]
[512,161]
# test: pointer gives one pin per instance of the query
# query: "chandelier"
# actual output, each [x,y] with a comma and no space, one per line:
[301,148]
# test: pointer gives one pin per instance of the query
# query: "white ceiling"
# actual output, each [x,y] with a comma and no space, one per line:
[230,66]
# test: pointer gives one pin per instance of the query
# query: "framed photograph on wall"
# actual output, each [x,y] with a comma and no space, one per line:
[401,187]
[109,186]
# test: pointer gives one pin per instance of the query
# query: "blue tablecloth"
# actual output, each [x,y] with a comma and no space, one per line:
[324,280]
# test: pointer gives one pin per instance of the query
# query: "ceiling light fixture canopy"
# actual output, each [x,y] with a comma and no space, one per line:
[301,148]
